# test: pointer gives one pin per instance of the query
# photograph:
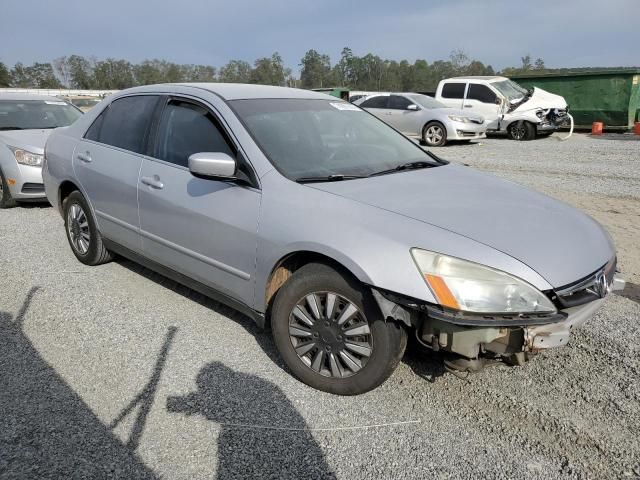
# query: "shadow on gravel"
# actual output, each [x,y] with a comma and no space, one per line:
[38,204]
[261,433]
[631,291]
[144,400]
[262,336]
[424,362]
[46,430]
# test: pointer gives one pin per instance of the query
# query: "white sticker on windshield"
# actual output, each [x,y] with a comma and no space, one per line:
[52,102]
[345,106]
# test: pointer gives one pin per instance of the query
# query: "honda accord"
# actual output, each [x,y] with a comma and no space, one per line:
[315,218]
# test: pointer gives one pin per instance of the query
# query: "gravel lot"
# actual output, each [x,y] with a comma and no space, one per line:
[114,371]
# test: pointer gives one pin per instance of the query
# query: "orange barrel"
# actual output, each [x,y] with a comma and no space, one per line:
[596,128]
[636,128]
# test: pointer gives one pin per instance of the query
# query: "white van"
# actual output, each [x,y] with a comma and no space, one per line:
[506,106]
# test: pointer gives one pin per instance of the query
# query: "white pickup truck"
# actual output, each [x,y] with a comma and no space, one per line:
[506,106]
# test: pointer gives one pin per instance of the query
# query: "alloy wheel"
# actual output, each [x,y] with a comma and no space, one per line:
[433,135]
[330,334]
[518,131]
[78,228]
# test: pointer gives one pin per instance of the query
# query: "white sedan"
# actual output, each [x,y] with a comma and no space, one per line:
[422,117]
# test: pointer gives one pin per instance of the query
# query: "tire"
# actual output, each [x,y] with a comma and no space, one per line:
[80,224]
[434,134]
[521,131]
[326,358]
[6,200]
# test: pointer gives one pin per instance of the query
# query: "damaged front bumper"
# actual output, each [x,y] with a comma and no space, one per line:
[475,336]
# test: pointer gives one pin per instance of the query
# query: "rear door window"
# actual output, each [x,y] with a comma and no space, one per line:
[453,90]
[186,128]
[481,93]
[375,102]
[125,123]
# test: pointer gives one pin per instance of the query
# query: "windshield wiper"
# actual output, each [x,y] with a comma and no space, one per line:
[328,178]
[405,166]
[11,128]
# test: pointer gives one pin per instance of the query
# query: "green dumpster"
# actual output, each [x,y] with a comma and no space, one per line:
[608,96]
[339,92]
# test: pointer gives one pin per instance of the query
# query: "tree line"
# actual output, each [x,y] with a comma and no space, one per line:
[368,72]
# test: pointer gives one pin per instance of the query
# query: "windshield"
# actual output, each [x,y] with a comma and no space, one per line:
[320,138]
[426,102]
[36,114]
[510,89]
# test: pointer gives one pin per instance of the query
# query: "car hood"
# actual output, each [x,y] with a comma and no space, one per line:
[32,140]
[542,99]
[559,242]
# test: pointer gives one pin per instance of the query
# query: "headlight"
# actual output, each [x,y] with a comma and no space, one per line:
[458,118]
[25,157]
[471,287]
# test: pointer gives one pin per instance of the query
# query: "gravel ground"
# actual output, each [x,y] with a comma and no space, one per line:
[114,371]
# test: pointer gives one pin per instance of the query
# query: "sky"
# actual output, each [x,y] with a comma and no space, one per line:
[565,33]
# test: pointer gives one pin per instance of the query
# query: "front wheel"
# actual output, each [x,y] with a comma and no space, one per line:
[434,134]
[521,131]
[331,334]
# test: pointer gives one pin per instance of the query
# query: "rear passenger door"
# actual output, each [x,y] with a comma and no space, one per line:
[377,105]
[203,228]
[481,100]
[403,119]
[107,162]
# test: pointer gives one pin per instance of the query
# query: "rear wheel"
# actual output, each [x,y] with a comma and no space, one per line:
[331,334]
[83,235]
[521,131]
[434,134]
[6,200]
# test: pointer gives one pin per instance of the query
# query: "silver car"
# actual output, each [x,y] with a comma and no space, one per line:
[310,215]
[25,123]
[424,118]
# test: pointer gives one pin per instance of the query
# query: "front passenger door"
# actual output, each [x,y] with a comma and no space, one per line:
[203,228]
[483,101]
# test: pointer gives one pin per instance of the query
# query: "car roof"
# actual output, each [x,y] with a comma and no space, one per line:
[487,78]
[379,94]
[237,91]
[28,96]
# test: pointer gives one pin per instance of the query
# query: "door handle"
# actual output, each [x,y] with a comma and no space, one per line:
[153,182]
[84,157]
[468,106]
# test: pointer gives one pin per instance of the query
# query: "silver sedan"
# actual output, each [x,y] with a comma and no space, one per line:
[424,118]
[308,214]
[25,123]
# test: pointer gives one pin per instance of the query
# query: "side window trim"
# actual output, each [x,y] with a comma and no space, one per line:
[480,85]
[225,130]
[386,103]
[464,89]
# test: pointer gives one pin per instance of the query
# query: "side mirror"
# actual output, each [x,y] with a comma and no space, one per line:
[212,165]
[412,107]
[498,101]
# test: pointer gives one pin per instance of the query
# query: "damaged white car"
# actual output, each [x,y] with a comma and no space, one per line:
[506,106]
